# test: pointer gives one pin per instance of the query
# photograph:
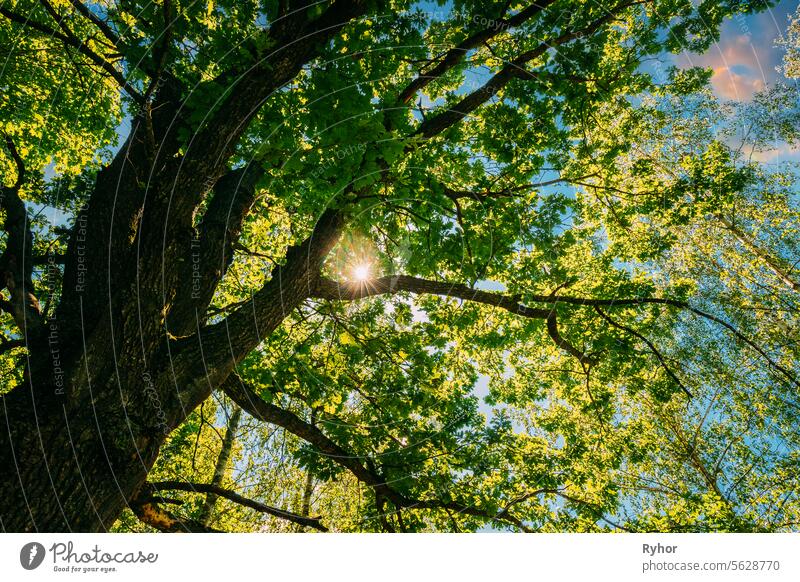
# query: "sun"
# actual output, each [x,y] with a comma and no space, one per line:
[357,259]
[361,272]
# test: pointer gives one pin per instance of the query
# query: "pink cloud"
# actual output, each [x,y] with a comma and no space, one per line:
[731,85]
[740,66]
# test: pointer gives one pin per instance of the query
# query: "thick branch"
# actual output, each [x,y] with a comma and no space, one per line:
[100,253]
[246,398]
[16,262]
[236,498]
[212,251]
[353,290]
[298,39]
[205,359]
[327,289]
[456,54]
[514,69]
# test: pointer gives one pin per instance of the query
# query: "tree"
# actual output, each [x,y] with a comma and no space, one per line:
[303,215]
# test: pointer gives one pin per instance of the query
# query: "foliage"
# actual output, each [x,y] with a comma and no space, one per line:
[632,361]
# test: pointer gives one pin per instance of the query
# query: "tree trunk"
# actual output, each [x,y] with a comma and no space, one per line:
[308,490]
[80,435]
[69,467]
[775,264]
[221,466]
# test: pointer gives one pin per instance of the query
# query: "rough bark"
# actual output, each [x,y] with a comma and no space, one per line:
[70,465]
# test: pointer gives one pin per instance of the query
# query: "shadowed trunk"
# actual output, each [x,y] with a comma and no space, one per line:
[70,466]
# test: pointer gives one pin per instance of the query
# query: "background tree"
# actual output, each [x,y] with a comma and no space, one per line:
[357,222]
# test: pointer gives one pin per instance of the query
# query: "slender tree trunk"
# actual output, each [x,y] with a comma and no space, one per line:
[305,510]
[775,264]
[308,490]
[221,466]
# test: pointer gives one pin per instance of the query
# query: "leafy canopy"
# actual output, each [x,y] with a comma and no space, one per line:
[612,343]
